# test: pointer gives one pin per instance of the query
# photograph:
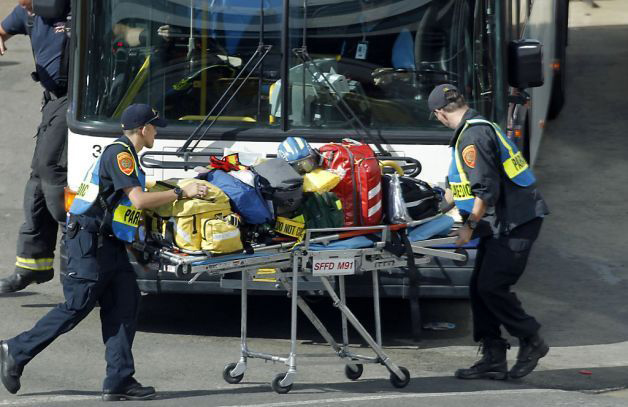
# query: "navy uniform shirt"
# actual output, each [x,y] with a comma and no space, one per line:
[509,205]
[47,40]
[118,170]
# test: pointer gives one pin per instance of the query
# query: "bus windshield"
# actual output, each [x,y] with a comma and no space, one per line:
[382,57]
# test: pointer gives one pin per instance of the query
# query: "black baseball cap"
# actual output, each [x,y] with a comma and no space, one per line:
[441,96]
[140,114]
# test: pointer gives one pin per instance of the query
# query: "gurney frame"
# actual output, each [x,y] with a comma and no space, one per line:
[293,262]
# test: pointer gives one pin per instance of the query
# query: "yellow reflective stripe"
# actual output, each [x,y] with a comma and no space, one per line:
[463,175]
[265,272]
[127,215]
[515,164]
[461,190]
[34,264]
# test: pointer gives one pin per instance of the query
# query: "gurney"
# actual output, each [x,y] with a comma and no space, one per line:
[324,255]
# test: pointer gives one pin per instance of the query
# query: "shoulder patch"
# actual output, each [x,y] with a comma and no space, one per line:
[125,162]
[468,155]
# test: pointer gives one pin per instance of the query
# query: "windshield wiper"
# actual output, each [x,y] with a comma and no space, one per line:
[259,55]
[339,103]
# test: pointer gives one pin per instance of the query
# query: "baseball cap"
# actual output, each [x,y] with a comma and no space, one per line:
[438,97]
[140,114]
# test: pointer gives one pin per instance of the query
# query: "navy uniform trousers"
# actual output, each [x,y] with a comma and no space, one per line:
[95,274]
[43,196]
[499,264]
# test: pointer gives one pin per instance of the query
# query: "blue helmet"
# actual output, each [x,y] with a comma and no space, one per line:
[298,153]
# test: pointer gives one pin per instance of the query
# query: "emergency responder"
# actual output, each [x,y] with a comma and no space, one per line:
[43,195]
[103,216]
[495,192]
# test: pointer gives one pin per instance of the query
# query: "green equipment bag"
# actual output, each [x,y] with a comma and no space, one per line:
[322,210]
[194,224]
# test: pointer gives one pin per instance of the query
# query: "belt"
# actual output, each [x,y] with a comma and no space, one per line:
[102,235]
[53,95]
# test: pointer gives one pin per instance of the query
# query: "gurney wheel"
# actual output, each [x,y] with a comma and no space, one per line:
[183,270]
[397,382]
[226,374]
[276,385]
[354,374]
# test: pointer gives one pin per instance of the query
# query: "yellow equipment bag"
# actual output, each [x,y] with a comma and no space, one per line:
[220,237]
[320,181]
[183,221]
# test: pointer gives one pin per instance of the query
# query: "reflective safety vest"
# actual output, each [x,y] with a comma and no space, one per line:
[515,167]
[126,218]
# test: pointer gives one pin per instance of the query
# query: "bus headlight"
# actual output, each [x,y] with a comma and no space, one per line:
[68,198]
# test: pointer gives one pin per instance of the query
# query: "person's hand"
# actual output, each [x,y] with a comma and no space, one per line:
[194,190]
[3,47]
[464,235]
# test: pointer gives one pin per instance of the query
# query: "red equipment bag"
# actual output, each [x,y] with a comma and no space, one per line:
[360,187]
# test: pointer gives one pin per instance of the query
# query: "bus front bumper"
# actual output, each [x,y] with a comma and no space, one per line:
[441,280]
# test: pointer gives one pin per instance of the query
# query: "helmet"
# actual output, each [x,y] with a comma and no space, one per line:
[299,154]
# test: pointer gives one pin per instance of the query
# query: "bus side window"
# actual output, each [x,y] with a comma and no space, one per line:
[515,19]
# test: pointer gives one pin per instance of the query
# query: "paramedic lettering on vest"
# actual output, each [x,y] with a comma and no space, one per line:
[43,196]
[496,194]
[102,219]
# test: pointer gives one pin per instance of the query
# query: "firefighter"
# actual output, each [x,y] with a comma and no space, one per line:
[496,194]
[43,196]
[103,217]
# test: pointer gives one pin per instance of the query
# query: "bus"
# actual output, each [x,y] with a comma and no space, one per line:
[242,75]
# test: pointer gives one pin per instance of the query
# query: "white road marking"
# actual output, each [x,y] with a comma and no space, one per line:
[39,400]
[568,357]
[398,396]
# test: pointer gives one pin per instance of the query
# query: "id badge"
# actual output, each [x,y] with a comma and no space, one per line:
[362,50]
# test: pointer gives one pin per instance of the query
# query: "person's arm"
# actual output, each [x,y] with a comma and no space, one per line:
[119,165]
[137,36]
[148,200]
[477,213]
[480,161]
[12,24]
[4,37]
[449,200]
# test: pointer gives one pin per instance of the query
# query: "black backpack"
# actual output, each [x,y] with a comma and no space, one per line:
[281,184]
[422,201]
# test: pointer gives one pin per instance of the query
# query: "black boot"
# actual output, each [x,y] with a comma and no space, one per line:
[493,363]
[530,351]
[10,372]
[134,391]
[21,278]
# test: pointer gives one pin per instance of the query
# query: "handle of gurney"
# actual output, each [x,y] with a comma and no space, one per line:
[353,233]
[413,163]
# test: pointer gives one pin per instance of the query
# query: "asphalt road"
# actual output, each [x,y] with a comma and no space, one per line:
[575,284]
